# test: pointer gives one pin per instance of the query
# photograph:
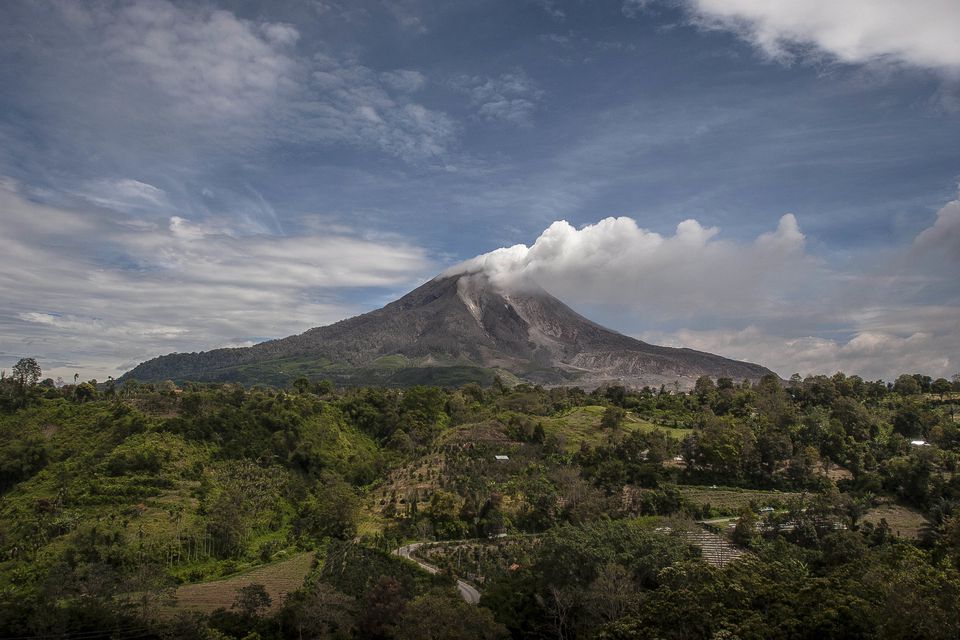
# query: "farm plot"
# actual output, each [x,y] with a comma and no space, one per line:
[903,521]
[279,578]
[730,500]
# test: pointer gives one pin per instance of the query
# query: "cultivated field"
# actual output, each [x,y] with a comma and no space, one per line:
[731,499]
[279,578]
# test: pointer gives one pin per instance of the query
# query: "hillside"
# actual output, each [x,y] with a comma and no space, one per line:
[196,511]
[452,330]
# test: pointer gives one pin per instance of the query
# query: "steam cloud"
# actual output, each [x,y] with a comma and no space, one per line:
[616,262]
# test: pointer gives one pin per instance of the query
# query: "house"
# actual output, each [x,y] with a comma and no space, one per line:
[501,458]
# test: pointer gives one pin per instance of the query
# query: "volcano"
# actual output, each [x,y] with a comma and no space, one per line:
[455,329]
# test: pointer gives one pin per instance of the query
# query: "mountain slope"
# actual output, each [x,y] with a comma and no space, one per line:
[454,329]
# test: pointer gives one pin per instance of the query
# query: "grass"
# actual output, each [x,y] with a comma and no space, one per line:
[371,523]
[395,361]
[904,521]
[279,578]
[583,424]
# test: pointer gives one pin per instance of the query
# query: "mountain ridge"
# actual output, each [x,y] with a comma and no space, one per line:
[466,324]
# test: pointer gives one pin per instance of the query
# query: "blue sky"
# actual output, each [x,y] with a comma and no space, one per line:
[183,176]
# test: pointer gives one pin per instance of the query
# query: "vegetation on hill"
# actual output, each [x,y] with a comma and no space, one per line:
[135,509]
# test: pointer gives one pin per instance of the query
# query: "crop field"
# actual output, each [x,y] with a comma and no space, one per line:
[904,521]
[731,499]
[279,578]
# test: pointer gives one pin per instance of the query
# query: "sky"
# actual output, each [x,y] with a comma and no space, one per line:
[768,180]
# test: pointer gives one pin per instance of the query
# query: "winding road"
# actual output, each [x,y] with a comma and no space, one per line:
[467,591]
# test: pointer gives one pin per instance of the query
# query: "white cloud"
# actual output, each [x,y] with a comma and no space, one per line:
[123,194]
[85,288]
[214,81]
[281,34]
[918,33]
[511,97]
[869,354]
[404,80]
[942,240]
[615,261]
[209,62]
[356,107]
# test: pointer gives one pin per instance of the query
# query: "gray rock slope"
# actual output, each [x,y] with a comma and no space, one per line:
[464,320]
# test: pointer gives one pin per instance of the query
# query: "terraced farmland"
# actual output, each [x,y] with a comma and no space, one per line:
[716,550]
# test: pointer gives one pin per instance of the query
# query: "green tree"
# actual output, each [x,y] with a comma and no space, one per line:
[252,600]
[612,594]
[746,528]
[441,617]
[322,612]
[332,509]
[26,373]
[704,388]
[906,385]
[382,605]
[941,386]
[84,392]
[302,385]
[909,421]
[444,513]
[612,418]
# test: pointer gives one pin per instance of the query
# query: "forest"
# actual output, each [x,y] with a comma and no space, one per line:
[817,507]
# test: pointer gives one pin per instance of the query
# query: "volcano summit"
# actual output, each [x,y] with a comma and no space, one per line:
[456,328]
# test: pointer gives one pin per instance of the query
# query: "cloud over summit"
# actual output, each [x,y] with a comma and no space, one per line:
[617,262]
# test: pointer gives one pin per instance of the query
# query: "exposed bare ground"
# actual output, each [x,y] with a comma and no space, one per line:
[835,472]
